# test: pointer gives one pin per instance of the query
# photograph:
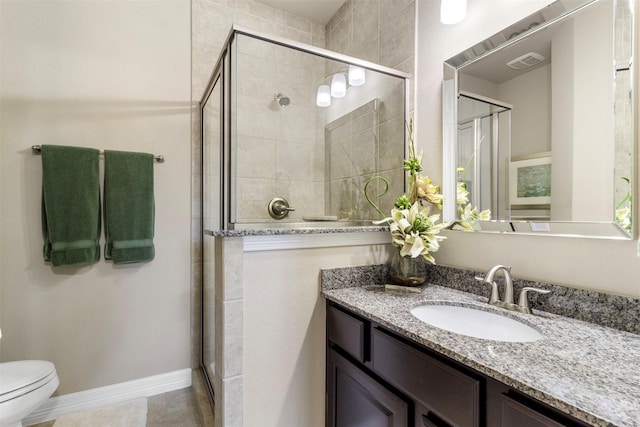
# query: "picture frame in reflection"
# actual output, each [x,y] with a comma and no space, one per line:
[530,180]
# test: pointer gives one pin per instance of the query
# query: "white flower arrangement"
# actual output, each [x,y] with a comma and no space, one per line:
[413,230]
[468,214]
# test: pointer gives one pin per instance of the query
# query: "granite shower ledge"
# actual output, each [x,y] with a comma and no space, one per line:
[586,370]
[297,229]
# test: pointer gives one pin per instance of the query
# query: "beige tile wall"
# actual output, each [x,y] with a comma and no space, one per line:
[380,31]
[383,32]
[354,154]
[279,154]
[211,21]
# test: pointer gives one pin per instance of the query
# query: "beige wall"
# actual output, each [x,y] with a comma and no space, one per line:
[593,159]
[108,75]
[530,93]
[284,332]
[610,266]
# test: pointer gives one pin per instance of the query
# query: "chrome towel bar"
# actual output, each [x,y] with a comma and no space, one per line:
[36,149]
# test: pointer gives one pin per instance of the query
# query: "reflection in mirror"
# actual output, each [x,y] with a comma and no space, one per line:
[537,131]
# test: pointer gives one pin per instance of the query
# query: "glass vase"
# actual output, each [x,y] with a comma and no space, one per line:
[407,271]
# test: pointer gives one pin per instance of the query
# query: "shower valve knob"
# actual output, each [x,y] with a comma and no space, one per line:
[279,208]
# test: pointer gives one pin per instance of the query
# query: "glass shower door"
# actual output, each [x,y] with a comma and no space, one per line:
[211,218]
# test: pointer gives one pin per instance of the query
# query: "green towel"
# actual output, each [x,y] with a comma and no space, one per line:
[70,205]
[128,207]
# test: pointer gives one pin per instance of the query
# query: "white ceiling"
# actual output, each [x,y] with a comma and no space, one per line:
[319,11]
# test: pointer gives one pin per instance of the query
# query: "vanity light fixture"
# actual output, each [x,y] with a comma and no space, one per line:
[452,11]
[338,85]
[323,98]
[340,81]
[356,75]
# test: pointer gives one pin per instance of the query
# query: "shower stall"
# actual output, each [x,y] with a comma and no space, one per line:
[484,129]
[291,133]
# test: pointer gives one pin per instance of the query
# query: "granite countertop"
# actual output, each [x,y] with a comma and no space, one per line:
[589,371]
[297,228]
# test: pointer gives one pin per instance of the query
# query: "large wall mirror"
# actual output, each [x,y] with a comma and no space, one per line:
[538,123]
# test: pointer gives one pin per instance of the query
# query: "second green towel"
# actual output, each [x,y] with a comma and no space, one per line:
[129,207]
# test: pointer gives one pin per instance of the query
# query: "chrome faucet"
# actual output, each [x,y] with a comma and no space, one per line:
[495,293]
[508,301]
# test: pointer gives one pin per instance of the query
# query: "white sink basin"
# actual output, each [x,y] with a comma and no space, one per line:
[475,323]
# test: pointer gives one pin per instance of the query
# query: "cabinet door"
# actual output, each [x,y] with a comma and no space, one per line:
[357,400]
[452,395]
[516,413]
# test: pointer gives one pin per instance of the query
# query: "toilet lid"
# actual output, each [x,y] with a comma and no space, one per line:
[19,377]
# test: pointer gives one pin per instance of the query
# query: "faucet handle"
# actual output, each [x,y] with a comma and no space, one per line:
[279,208]
[495,295]
[523,301]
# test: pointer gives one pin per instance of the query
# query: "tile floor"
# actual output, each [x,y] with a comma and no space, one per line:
[187,407]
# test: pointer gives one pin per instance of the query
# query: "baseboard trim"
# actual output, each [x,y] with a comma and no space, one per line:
[109,395]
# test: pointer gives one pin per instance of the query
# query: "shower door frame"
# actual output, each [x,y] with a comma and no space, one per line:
[217,77]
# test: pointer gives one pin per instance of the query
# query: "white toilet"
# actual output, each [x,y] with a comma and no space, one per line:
[24,386]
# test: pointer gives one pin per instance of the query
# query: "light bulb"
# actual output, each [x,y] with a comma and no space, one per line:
[452,11]
[323,98]
[338,86]
[356,76]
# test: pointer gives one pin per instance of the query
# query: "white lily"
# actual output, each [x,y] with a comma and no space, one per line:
[414,231]
[623,218]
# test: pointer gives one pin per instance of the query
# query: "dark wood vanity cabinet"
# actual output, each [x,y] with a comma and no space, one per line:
[358,399]
[356,396]
[377,378]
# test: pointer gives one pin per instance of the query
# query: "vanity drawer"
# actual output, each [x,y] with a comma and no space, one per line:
[348,332]
[451,394]
[520,411]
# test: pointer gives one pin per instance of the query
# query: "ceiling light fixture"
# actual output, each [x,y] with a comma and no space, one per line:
[452,11]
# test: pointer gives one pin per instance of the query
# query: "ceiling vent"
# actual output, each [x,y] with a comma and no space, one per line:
[525,61]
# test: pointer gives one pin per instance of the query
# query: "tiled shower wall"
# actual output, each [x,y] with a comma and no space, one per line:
[365,140]
[280,149]
[211,21]
[379,31]
[358,148]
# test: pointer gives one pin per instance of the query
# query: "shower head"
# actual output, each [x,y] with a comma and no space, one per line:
[281,99]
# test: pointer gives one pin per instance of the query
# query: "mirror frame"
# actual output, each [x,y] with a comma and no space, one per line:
[623,25]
